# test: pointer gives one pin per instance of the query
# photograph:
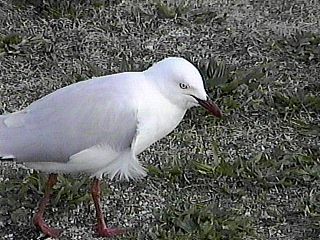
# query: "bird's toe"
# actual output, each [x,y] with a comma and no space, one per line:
[46,230]
[110,232]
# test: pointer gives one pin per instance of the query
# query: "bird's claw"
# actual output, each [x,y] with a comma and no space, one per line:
[109,232]
[46,230]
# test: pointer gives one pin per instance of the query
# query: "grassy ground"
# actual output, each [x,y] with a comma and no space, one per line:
[255,174]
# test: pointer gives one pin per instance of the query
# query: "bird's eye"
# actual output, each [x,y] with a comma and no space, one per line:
[183,85]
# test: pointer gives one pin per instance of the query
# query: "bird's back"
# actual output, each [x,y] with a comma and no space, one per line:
[72,119]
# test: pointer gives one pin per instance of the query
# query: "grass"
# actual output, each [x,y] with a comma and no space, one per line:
[200,221]
[302,46]
[254,174]
[172,10]
[8,43]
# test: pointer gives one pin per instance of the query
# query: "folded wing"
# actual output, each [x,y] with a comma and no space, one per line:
[72,119]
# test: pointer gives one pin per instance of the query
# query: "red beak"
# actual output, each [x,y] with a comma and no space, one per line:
[210,106]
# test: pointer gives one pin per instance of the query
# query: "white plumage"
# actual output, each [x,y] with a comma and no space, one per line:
[100,125]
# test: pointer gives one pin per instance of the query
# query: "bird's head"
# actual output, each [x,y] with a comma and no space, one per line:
[180,81]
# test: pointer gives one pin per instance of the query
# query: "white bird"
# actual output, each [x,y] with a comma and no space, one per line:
[99,126]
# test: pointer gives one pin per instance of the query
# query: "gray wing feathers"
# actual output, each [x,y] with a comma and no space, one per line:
[98,111]
[3,140]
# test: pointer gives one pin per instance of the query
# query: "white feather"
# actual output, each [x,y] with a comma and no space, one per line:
[99,126]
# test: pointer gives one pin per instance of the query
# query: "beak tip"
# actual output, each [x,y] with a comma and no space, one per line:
[217,113]
[210,106]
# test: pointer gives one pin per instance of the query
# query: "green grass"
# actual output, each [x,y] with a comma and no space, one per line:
[8,43]
[201,221]
[173,9]
[301,46]
[254,174]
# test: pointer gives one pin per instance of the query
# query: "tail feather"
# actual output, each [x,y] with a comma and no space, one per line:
[7,158]
[3,155]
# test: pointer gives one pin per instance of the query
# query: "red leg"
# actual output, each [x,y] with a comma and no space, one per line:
[38,219]
[102,229]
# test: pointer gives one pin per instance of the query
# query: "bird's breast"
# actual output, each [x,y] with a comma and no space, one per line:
[155,122]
